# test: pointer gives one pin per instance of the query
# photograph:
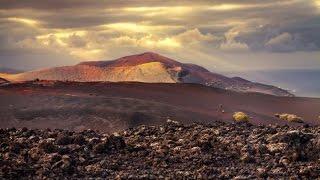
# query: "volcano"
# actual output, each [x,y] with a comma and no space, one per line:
[147,67]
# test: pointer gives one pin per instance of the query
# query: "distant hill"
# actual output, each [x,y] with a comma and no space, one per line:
[147,67]
[303,82]
[9,71]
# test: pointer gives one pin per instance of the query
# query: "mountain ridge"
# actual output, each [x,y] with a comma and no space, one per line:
[147,67]
[133,60]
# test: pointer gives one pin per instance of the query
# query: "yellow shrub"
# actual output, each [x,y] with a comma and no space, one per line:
[240,117]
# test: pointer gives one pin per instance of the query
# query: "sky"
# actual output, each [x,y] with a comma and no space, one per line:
[222,35]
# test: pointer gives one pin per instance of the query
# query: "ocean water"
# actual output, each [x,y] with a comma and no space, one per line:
[300,82]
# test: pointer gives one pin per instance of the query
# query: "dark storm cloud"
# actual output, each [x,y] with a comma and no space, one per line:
[83,13]
[63,4]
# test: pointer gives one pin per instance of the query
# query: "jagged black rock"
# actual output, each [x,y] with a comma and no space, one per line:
[172,150]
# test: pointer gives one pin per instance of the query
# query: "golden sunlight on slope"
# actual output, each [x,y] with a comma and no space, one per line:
[9,77]
[147,72]
[152,72]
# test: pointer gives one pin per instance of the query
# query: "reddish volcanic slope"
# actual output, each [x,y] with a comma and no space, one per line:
[147,67]
[113,106]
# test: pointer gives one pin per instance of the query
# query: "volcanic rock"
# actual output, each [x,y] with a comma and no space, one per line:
[289,117]
[169,151]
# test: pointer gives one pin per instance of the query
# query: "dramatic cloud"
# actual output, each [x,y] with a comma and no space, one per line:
[44,33]
[287,42]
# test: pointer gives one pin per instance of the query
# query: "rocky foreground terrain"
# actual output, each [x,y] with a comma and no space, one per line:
[172,150]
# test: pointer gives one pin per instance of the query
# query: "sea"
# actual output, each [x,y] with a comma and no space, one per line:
[301,82]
